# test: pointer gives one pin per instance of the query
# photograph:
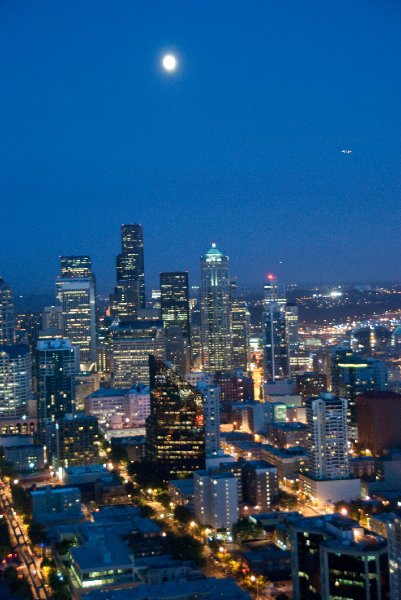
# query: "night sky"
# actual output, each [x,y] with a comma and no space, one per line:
[241,146]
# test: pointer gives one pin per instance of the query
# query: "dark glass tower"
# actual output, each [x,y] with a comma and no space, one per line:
[175,428]
[129,293]
[55,364]
[174,299]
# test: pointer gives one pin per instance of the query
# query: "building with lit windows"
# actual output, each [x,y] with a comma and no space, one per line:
[333,557]
[131,344]
[175,428]
[15,380]
[215,311]
[76,295]
[240,330]
[216,499]
[7,322]
[129,293]
[394,555]
[55,375]
[260,484]
[75,441]
[276,349]
[292,326]
[120,407]
[174,301]
[211,397]
[328,476]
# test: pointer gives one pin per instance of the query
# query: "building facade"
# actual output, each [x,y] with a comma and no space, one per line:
[15,380]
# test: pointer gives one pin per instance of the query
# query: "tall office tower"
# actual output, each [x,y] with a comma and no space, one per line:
[292,324]
[131,344]
[55,374]
[215,311]
[274,292]
[260,483]
[240,333]
[276,353]
[175,428]
[394,556]
[7,323]
[75,441]
[216,499]
[211,397]
[174,300]
[327,437]
[15,380]
[129,293]
[76,295]
[333,557]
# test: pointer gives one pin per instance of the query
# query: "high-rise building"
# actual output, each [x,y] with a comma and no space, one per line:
[378,416]
[76,295]
[333,557]
[260,484]
[216,499]
[174,299]
[276,353]
[292,325]
[175,428]
[131,344]
[75,441]
[215,311]
[52,322]
[129,293]
[240,330]
[328,476]
[55,374]
[7,322]
[276,349]
[327,437]
[15,380]
[211,397]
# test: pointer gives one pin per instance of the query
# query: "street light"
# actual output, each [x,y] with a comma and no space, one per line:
[255,579]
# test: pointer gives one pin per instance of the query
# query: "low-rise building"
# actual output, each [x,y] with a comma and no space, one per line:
[25,458]
[56,504]
[181,492]
[287,435]
[289,461]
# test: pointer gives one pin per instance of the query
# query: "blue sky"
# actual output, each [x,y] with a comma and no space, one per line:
[242,145]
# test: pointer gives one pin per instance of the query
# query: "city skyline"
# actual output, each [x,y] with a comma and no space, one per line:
[242,144]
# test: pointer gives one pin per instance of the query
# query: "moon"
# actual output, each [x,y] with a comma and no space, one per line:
[169,62]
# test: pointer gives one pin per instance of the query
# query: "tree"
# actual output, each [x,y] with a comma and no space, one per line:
[37,533]
[245,530]
[147,511]
[148,474]
[164,499]
[185,547]
[182,514]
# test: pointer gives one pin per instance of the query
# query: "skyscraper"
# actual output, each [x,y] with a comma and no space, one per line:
[76,296]
[55,364]
[215,311]
[276,355]
[129,293]
[7,322]
[15,380]
[276,351]
[175,428]
[240,329]
[131,344]
[216,499]
[291,320]
[174,299]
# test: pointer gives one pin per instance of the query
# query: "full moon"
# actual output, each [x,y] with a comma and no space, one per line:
[169,62]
